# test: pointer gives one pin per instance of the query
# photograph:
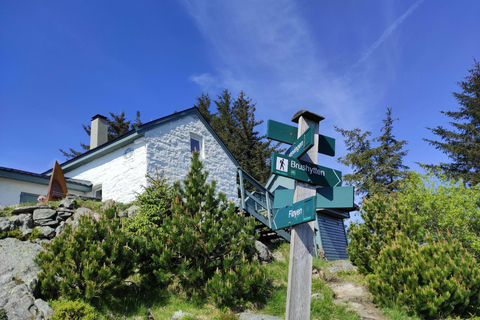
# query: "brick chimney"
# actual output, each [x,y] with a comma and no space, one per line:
[99,131]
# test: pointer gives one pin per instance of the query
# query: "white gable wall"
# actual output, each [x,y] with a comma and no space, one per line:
[121,173]
[168,149]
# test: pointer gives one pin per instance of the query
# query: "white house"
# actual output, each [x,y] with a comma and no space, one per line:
[117,169]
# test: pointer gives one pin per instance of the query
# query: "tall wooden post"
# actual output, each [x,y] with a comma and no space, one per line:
[301,241]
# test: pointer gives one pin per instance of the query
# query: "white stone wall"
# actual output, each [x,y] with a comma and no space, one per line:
[168,149]
[10,190]
[120,174]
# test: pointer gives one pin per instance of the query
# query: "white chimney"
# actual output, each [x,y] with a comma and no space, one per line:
[99,131]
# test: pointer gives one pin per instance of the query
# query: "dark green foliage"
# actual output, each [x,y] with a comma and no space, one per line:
[154,203]
[203,243]
[462,142]
[73,310]
[434,279]
[117,126]
[375,170]
[86,262]
[383,217]
[235,124]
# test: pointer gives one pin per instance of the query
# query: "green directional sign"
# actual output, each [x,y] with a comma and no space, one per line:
[327,198]
[305,171]
[293,214]
[303,144]
[288,134]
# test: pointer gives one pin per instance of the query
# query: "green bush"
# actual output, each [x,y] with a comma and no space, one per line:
[204,247]
[86,262]
[383,217]
[443,205]
[435,279]
[73,310]
[154,203]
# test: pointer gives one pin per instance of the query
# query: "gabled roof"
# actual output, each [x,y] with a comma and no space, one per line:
[136,133]
[21,175]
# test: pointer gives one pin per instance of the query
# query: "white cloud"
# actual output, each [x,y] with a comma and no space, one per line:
[206,81]
[266,48]
[387,32]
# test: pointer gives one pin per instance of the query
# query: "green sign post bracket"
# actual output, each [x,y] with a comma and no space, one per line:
[341,198]
[288,134]
[305,171]
[293,214]
[303,144]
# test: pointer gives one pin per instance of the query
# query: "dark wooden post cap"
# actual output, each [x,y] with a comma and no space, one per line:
[308,115]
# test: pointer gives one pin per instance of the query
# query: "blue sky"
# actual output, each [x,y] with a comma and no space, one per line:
[62,62]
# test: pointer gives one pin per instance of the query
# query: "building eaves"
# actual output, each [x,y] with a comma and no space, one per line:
[15,174]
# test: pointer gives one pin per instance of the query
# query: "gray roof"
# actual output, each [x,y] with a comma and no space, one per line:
[134,134]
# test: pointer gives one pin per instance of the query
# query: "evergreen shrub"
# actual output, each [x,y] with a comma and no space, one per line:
[73,310]
[383,217]
[203,247]
[154,204]
[86,262]
[435,279]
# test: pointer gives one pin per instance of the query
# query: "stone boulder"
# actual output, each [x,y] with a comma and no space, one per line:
[68,203]
[342,265]
[264,255]
[22,221]
[18,280]
[45,217]
[30,209]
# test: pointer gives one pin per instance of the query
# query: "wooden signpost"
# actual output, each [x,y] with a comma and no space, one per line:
[300,164]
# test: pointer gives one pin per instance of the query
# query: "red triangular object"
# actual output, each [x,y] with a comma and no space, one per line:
[57,189]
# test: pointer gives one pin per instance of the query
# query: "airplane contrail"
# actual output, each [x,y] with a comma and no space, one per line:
[387,32]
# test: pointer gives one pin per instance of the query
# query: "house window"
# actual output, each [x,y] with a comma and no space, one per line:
[97,192]
[196,144]
[26,197]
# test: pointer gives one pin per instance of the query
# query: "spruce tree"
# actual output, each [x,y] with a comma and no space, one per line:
[375,170]
[117,126]
[235,124]
[462,142]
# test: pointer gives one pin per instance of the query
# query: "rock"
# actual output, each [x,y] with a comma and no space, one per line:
[81,212]
[68,203]
[43,217]
[22,221]
[132,211]
[43,308]
[18,279]
[277,255]
[317,296]
[122,214]
[343,265]
[59,230]
[46,232]
[180,314]
[264,255]
[30,209]
[97,216]
[64,214]
[251,316]
[348,291]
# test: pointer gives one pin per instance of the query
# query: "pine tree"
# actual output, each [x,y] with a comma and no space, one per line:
[204,241]
[462,143]
[375,170]
[117,126]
